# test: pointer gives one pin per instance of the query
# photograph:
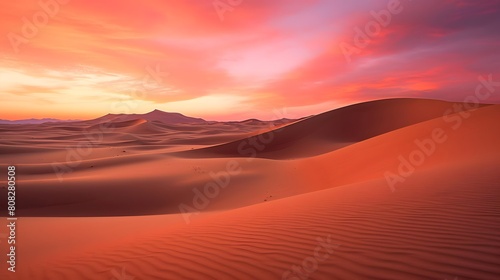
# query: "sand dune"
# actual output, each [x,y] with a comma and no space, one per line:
[323,177]
[332,130]
[121,124]
[417,233]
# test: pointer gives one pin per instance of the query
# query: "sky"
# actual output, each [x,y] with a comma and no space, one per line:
[239,59]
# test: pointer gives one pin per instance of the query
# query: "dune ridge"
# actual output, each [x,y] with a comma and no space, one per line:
[332,130]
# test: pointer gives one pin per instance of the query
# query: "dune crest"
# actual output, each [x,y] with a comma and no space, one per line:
[331,130]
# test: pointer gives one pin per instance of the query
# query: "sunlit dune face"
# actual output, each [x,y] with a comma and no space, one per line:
[82,59]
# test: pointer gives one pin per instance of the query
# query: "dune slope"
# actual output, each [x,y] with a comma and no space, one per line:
[331,130]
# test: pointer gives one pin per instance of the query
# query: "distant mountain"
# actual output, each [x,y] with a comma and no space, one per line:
[156,115]
[33,121]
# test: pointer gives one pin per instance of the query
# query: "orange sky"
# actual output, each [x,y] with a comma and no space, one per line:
[80,59]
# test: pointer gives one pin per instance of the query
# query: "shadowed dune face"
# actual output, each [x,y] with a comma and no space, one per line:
[435,216]
[331,130]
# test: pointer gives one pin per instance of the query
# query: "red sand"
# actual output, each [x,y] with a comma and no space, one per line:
[319,177]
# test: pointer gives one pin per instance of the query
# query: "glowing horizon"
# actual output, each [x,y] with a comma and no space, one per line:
[81,60]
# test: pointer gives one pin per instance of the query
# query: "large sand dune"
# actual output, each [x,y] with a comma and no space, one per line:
[320,179]
[333,130]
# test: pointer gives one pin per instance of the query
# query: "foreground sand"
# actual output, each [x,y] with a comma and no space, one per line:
[116,214]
